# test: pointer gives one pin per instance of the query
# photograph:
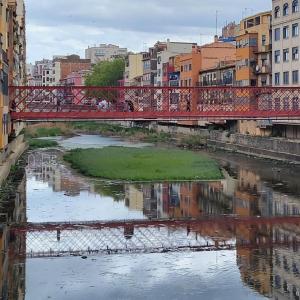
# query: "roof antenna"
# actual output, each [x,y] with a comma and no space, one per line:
[217,22]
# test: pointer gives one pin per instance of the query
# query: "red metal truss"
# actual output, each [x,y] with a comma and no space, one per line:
[154,103]
[230,220]
[148,236]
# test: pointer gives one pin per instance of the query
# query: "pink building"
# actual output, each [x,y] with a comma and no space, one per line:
[73,80]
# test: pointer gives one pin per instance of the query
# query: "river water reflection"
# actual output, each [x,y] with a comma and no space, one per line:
[263,260]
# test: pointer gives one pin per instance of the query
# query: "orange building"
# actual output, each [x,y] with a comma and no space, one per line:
[254,51]
[247,47]
[201,58]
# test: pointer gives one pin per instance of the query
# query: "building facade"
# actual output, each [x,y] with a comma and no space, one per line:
[171,49]
[12,59]
[223,74]
[254,51]
[286,64]
[104,52]
[150,64]
[203,58]
[64,66]
[133,69]
[286,42]
[51,72]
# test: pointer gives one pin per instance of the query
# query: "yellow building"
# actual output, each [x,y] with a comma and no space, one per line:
[3,76]
[12,59]
[133,69]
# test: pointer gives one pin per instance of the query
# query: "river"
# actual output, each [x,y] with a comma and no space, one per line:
[244,261]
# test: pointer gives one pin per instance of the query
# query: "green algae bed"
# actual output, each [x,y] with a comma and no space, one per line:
[147,164]
[38,144]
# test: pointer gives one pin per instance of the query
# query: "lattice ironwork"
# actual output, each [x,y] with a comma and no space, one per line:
[154,103]
[208,234]
[119,240]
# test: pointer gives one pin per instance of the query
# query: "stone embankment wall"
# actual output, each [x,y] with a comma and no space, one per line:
[9,157]
[268,147]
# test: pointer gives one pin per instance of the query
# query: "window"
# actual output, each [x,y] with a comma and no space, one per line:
[250,23]
[286,77]
[286,32]
[295,30]
[277,12]
[252,42]
[285,9]
[285,55]
[263,40]
[295,77]
[277,34]
[295,53]
[257,21]
[295,6]
[277,56]
[190,67]
[277,79]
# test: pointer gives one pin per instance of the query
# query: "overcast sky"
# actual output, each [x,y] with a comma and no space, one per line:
[59,27]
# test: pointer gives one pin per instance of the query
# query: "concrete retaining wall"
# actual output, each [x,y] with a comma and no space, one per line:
[274,148]
[9,158]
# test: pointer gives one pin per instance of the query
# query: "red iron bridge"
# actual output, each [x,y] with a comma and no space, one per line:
[154,103]
[153,236]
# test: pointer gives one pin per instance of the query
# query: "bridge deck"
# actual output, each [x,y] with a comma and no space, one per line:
[154,103]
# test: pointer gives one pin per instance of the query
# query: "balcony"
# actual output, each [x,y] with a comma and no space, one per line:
[263,69]
[225,82]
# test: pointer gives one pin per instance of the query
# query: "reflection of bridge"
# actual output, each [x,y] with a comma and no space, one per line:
[87,238]
[154,103]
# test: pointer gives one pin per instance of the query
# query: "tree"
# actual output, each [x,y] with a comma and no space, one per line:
[106,73]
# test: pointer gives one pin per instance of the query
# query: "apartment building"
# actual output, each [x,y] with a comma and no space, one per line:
[223,74]
[286,42]
[12,59]
[51,72]
[254,51]
[4,109]
[150,64]
[63,66]
[171,49]
[202,58]
[133,69]
[286,64]
[16,42]
[104,52]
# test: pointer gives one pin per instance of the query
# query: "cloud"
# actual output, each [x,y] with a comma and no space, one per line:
[68,26]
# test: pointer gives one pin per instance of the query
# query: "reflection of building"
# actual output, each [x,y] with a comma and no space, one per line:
[134,198]
[179,200]
[286,263]
[255,263]
[13,248]
[214,199]
[44,168]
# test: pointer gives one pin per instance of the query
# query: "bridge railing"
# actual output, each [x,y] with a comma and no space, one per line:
[153,102]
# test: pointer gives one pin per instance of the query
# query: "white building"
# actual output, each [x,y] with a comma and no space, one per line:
[172,49]
[104,52]
[286,42]
[286,63]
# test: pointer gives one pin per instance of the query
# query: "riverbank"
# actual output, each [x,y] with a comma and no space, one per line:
[144,164]
[193,138]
